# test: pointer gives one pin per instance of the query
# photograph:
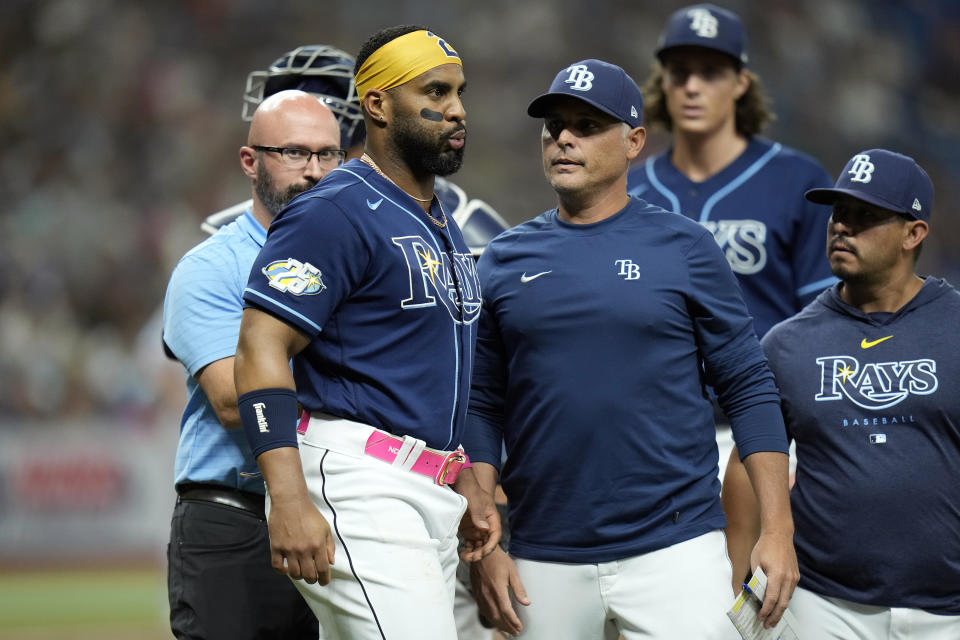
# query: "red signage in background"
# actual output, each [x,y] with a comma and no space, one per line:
[80,483]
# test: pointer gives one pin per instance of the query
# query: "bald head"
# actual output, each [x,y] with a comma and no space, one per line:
[291,113]
[294,141]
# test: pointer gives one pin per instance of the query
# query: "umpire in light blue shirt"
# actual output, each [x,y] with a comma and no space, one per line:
[221,584]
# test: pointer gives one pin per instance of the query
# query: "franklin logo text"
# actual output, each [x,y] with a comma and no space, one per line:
[261,419]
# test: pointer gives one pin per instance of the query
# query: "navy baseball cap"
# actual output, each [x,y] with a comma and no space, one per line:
[707,26]
[601,84]
[885,179]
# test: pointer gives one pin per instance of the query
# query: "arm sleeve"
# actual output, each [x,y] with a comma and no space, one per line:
[313,258]
[202,308]
[771,349]
[733,361]
[483,432]
[809,257]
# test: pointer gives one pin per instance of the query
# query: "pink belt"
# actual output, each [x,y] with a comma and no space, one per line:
[443,467]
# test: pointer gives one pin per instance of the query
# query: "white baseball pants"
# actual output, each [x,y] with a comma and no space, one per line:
[396,541]
[825,618]
[681,591]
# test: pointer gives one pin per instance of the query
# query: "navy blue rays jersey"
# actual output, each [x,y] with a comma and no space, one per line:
[389,299]
[595,344]
[772,237]
[872,402]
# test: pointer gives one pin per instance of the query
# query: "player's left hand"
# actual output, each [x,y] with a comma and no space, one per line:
[774,553]
[480,525]
[497,589]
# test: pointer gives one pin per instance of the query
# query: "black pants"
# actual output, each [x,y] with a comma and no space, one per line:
[220,582]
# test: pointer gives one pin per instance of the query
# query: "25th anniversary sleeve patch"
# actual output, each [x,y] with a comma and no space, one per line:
[293,276]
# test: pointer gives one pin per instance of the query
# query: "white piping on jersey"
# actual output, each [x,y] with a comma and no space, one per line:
[666,193]
[284,307]
[720,194]
[748,173]
[419,219]
[436,246]
[739,180]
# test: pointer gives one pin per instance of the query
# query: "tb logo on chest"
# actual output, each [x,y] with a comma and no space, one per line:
[628,269]
[450,278]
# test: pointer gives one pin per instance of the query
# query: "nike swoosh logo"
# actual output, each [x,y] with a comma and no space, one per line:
[526,278]
[373,205]
[866,345]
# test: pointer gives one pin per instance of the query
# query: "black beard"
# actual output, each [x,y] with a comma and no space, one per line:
[274,199]
[426,156]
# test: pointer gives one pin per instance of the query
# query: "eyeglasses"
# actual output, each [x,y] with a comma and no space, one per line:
[296,158]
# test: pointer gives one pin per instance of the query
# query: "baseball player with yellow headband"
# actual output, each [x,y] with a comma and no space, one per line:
[402,60]
[369,286]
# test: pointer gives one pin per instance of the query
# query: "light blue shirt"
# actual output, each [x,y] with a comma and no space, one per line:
[201,324]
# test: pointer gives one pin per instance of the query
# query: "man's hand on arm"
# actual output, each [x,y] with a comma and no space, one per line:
[774,551]
[494,579]
[480,525]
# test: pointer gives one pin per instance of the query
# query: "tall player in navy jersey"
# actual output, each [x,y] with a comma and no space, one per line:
[719,172]
[326,72]
[369,286]
[603,321]
[868,375]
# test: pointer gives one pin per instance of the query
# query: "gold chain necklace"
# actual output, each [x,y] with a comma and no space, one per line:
[440,223]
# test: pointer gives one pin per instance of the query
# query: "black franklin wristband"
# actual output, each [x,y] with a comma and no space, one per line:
[269,418]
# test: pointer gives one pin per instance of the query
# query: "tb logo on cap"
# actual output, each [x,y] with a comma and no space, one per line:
[703,22]
[862,169]
[580,77]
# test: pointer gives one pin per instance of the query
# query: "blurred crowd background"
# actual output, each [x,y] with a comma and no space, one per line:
[120,125]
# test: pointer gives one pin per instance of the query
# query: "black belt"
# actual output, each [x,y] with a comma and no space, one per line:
[245,500]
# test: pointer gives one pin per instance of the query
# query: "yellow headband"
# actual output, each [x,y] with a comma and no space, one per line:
[403,59]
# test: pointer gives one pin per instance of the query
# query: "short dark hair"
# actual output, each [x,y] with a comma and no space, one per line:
[753,111]
[381,38]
